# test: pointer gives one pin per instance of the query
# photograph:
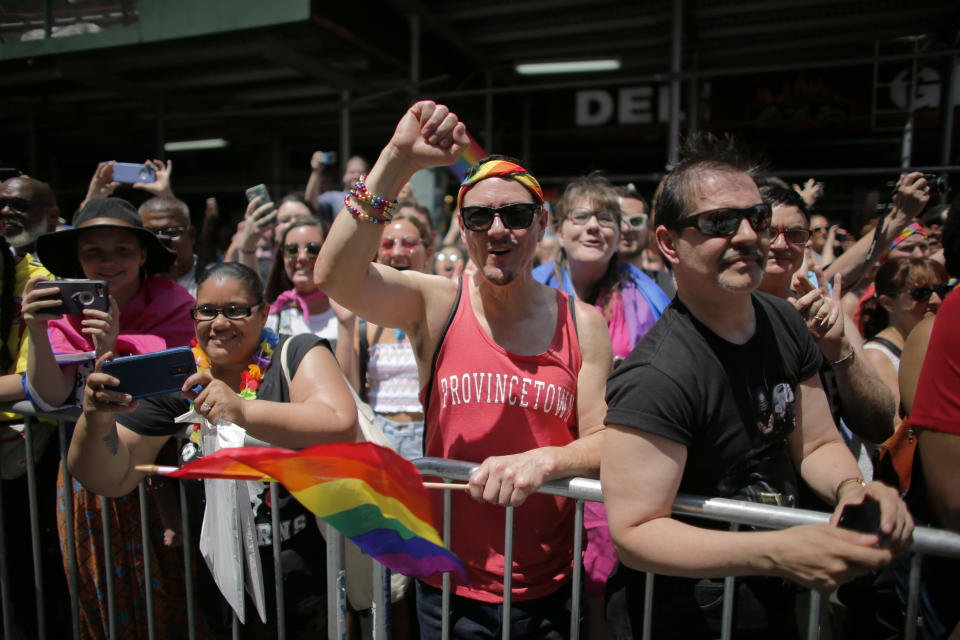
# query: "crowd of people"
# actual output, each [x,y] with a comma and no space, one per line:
[727,340]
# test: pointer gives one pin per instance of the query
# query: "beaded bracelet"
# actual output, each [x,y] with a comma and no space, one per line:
[381,204]
[361,215]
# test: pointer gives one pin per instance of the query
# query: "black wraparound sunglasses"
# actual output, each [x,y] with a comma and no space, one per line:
[922,294]
[518,215]
[725,221]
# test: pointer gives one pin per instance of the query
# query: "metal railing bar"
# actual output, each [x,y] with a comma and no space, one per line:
[188,563]
[925,539]
[577,571]
[147,566]
[108,566]
[813,620]
[276,535]
[28,422]
[507,571]
[70,543]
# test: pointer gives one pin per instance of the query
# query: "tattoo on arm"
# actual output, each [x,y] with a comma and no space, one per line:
[112,440]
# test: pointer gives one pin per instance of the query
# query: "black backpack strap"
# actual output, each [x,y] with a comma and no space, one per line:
[573,315]
[436,356]
[894,349]
[363,356]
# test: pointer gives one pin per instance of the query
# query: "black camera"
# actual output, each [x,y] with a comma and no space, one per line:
[938,184]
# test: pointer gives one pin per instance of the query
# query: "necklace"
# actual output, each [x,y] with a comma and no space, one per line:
[253,374]
[250,378]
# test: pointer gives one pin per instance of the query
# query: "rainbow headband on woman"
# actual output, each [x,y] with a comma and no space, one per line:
[501,169]
[908,231]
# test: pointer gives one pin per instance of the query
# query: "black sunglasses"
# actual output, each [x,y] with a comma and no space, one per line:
[206,312]
[292,249]
[21,204]
[793,236]
[922,294]
[518,215]
[725,221]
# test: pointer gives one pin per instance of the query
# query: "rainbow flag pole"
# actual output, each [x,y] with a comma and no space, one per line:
[470,157]
[369,493]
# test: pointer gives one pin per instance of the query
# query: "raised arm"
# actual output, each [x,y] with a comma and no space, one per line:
[508,480]
[909,200]
[428,135]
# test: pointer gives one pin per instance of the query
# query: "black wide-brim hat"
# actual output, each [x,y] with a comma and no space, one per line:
[58,250]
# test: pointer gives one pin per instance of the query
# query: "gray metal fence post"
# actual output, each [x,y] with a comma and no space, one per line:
[381,601]
[577,570]
[277,535]
[108,567]
[913,597]
[813,621]
[336,584]
[188,564]
[4,578]
[71,542]
[726,622]
[445,597]
[34,527]
[147,567]
[507,571]
[648,606]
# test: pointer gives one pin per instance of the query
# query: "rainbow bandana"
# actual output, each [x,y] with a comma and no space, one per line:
[501,169]
[908,231]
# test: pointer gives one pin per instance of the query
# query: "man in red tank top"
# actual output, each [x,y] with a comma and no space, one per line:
[519,381]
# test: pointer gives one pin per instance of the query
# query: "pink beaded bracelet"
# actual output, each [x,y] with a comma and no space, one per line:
[361,215]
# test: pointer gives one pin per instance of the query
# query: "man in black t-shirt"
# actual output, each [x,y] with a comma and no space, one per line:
[722,398]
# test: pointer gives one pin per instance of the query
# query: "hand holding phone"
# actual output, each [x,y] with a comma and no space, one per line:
[132,172]
[77,295]
[863,517]
[151,374]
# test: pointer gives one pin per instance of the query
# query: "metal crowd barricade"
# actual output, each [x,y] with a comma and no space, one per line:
[925,541]
[736,513]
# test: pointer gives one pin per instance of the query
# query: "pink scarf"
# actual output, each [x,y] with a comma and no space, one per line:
[156,318]
[291,298]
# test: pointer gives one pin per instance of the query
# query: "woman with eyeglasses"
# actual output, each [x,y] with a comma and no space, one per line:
[588,266]
[907,291]
[146,313]
[241,381]
[297,305]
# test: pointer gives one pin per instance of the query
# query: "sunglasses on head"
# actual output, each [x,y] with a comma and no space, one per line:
[792,235]
[518,215]
[21,204]
[207,312]
[580,217]
[407,242]
[173,233]
[922,294]
[292,249]
[725,221]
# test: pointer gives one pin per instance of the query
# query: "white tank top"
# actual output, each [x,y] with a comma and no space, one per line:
[394,379]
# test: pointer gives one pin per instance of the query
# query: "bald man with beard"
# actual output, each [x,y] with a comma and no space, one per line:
[28,208]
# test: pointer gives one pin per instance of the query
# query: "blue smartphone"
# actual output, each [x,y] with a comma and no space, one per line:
[130,172]
[152,374]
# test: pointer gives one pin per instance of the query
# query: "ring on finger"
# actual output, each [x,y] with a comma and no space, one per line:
[205,407]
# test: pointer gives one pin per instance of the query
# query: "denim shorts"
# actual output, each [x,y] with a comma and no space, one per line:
[406,438]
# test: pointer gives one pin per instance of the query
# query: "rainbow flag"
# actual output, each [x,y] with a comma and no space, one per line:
[367,492]
[473,154]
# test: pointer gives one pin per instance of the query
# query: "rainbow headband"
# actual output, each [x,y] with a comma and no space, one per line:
[908,231]
[501,169]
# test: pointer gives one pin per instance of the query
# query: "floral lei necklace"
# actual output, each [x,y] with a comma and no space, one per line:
[251,376]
